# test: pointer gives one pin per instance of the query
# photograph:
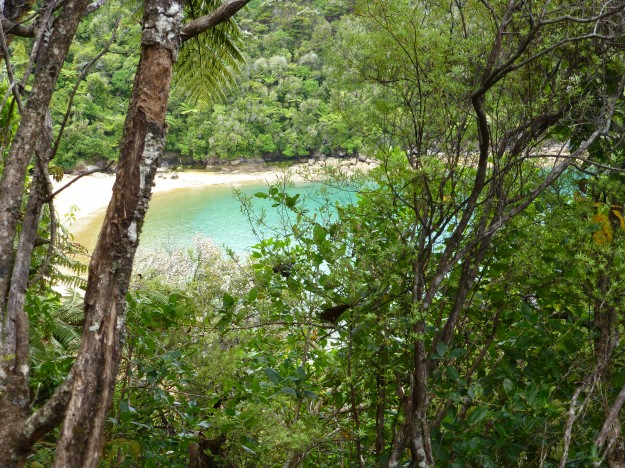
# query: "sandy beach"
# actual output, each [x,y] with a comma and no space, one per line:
[82,204]
[91,194]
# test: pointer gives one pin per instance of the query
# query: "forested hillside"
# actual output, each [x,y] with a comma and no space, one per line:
[465,310]
[277,104]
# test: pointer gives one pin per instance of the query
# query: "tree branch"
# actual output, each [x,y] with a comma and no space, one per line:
[611,418]
[94,6]
[575,19]
[578,158]
[220,15]
[12,84]
[48,416]
[83,75]
[17,29]
[77,178]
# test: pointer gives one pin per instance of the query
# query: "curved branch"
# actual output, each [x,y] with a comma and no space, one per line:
[220,15]
[17,29]
[574,19]
[578,158]
[77,178]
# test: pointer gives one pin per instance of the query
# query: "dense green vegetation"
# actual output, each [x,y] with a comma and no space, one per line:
[466,311]
[278,107]
[252,365]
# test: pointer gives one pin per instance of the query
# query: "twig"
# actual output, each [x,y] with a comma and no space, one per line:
[75,179]
[573,415]
[45,25]
[577,158]
[7,60]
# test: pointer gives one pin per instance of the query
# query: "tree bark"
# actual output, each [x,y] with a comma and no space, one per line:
[414,432]
[606,341]
[110,269]
[95,370]
[19,430]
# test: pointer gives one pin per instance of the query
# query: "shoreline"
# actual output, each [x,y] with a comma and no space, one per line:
[86,200]
[91,194]
[82,206]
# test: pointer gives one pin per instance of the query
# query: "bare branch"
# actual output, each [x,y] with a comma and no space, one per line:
[574,413]
[578,158]
[17,29]
[509,67]
[80,79]
[575,19]
[95,6]
[611,418]
[48,416]
[7,61]
[77,178]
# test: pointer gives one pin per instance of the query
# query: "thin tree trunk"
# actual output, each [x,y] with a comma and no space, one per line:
[610,432]
[110,269]
[606,322]
[414,431]
[380,408]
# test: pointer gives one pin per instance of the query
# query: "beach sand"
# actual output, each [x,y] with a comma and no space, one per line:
[91,194]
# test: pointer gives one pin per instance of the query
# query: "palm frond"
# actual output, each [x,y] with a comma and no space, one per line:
[208,63]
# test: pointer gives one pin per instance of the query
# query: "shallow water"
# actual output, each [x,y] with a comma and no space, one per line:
[176,217]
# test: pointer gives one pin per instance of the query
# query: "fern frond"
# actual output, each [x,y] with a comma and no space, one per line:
[208,63]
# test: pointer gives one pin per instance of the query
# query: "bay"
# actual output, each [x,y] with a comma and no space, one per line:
[176,217]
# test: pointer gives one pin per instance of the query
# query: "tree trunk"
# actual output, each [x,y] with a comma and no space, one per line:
[605,343]
[19,428]
[109,271]
[414,432]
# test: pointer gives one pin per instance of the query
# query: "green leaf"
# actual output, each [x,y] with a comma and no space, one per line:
[441,348]
[272,375]
[288,391]
[228,301]
[252,295]
[477,414]
[125,407]
[300,372]
[319,234]
[508,386]
[453,374]
[526,310]
[457,353]
[290,202]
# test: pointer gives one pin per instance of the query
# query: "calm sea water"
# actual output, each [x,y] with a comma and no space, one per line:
[176,217]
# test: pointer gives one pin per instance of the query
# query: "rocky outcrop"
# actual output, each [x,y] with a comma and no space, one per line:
[237,165]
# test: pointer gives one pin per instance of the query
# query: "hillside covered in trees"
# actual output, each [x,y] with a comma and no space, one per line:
[275,104]
[465,310]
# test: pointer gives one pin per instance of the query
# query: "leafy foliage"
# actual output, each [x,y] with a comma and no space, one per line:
[309,354]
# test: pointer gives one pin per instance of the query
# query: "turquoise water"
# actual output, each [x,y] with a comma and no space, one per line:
[175,218]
